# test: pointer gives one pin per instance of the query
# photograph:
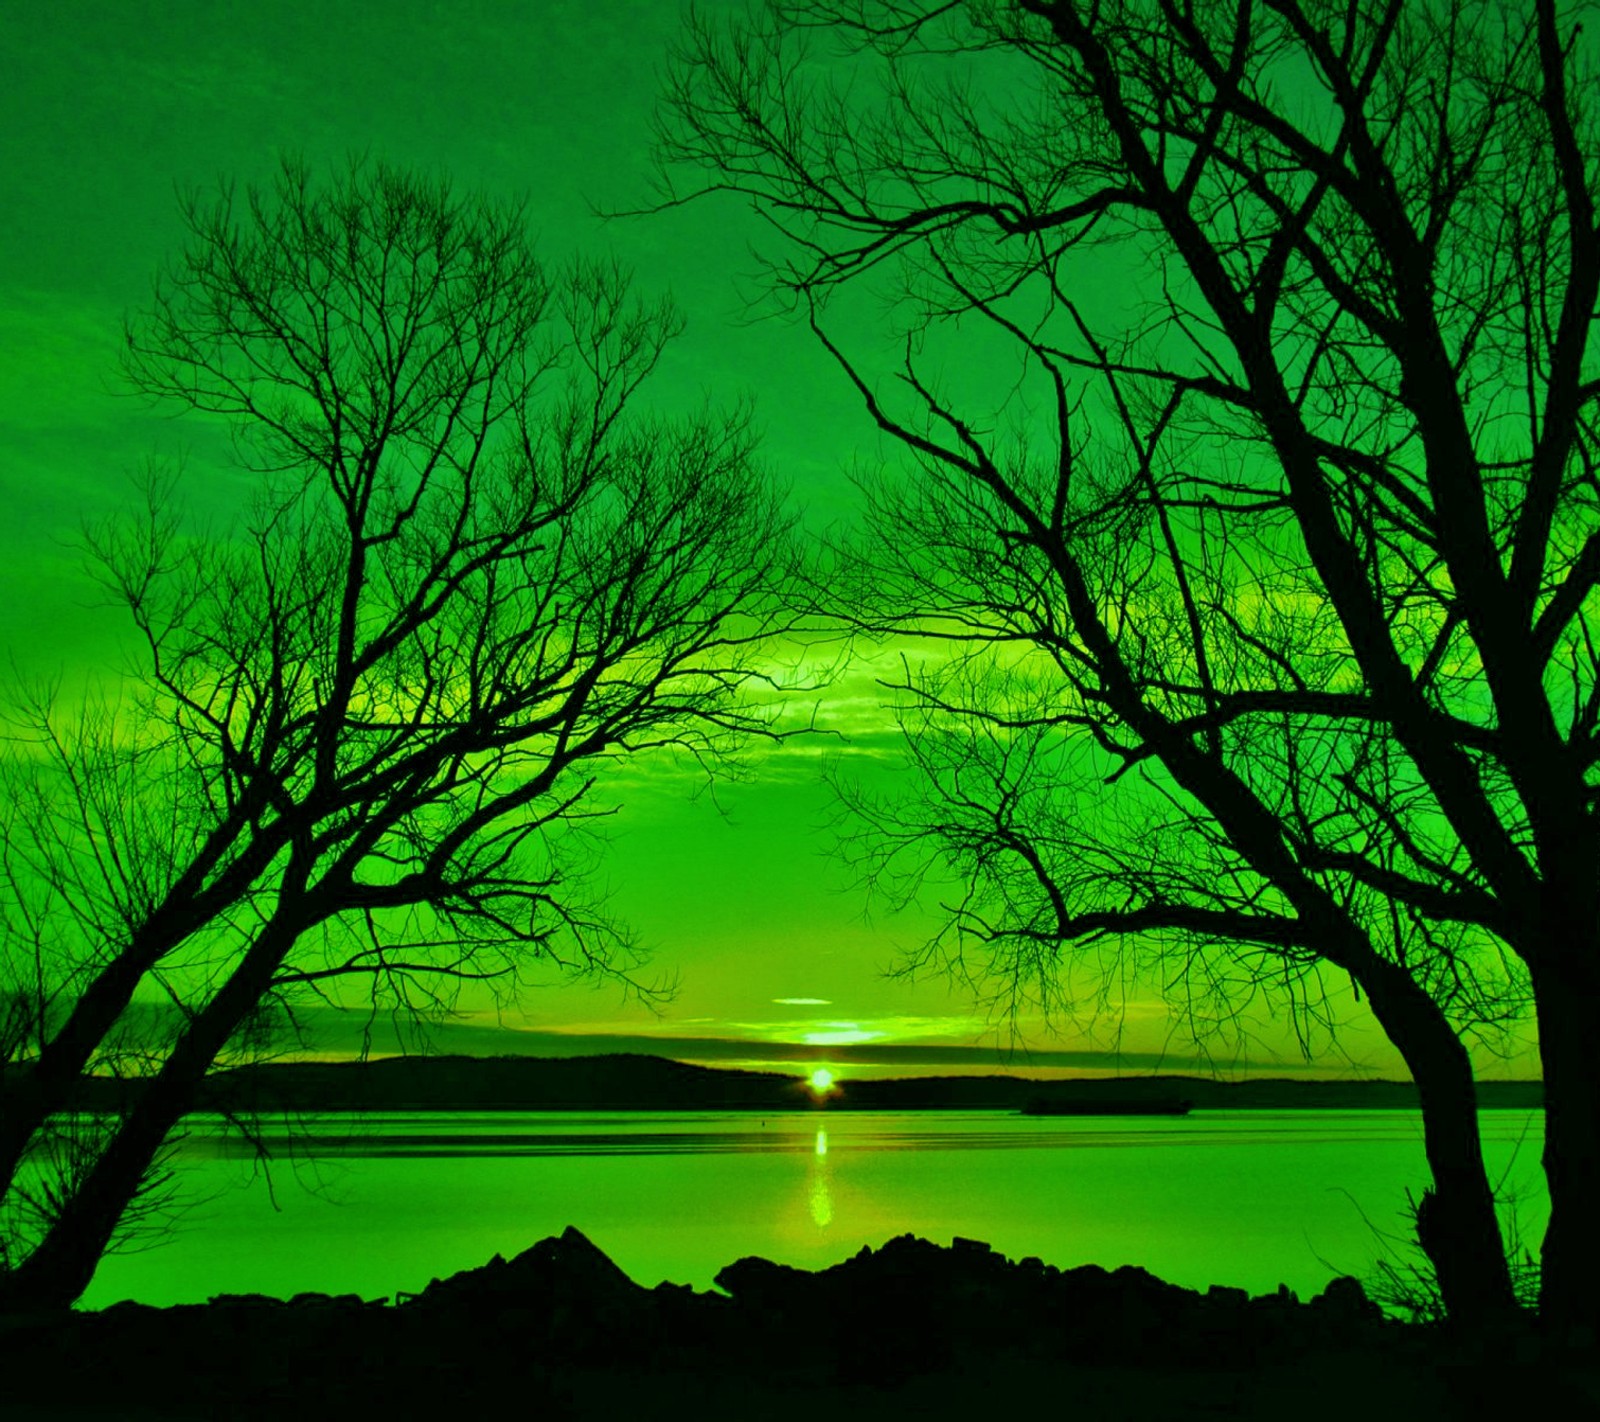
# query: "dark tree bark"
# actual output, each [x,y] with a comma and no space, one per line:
[1457,1225]
[62,1265]
[1569,1006]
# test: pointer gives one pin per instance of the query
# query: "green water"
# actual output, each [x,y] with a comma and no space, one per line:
[1251,1199]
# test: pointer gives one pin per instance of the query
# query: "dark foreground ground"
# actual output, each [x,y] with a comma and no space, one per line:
[909,1330]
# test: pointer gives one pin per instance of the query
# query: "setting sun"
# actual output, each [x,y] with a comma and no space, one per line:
[821,1081]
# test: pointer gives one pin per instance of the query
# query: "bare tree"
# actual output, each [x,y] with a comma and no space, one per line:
[1268,555]
[361,747]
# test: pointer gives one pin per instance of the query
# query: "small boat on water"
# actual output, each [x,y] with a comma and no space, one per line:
[1101,1106]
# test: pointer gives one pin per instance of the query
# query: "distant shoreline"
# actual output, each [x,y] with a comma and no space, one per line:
[630,1082]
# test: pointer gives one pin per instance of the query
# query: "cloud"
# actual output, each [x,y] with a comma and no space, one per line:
[189,83]
[334,1032]
[840,1034]
[58,357]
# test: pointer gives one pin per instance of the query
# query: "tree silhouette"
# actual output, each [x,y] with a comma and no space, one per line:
[1268,575]
[473,574]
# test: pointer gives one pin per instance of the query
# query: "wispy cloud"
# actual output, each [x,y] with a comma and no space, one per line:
[58,358]
[190,82]
[336,1033]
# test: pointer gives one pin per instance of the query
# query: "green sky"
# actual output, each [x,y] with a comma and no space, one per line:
[107,110]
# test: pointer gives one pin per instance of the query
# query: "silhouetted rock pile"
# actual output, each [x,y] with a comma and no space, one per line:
[885,1316]
[912,1304]
[908,1307]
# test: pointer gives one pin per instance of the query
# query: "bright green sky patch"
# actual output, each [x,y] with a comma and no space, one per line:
[108,111]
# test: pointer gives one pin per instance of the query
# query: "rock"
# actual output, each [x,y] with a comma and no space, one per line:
[760,1284]
[1220,1294]
[573,1262]
[565,1270]
[1344,1304]
[318,1300]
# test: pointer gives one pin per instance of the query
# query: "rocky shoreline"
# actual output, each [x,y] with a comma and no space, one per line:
[910,1329]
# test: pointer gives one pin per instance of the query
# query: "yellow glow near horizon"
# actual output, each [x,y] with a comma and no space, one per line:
[840,1034]
[821,1081]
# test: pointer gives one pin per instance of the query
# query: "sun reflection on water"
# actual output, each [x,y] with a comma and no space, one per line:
[821,1197]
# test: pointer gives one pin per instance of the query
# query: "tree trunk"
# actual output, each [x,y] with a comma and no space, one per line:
[57,1272]
[1569,1293]
[1456,1222]
[188,906]
[48,1086]
[1457,1226]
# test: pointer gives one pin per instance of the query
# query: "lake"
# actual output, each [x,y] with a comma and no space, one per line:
[1245,1198]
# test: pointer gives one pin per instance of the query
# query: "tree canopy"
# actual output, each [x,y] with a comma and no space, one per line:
[1271,567]
[357,757]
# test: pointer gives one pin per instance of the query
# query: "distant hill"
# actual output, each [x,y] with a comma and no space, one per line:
[628,1082]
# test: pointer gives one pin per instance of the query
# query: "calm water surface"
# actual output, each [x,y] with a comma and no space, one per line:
[377,1206]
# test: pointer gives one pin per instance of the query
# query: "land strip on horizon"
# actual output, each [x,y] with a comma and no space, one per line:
[631,1082]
